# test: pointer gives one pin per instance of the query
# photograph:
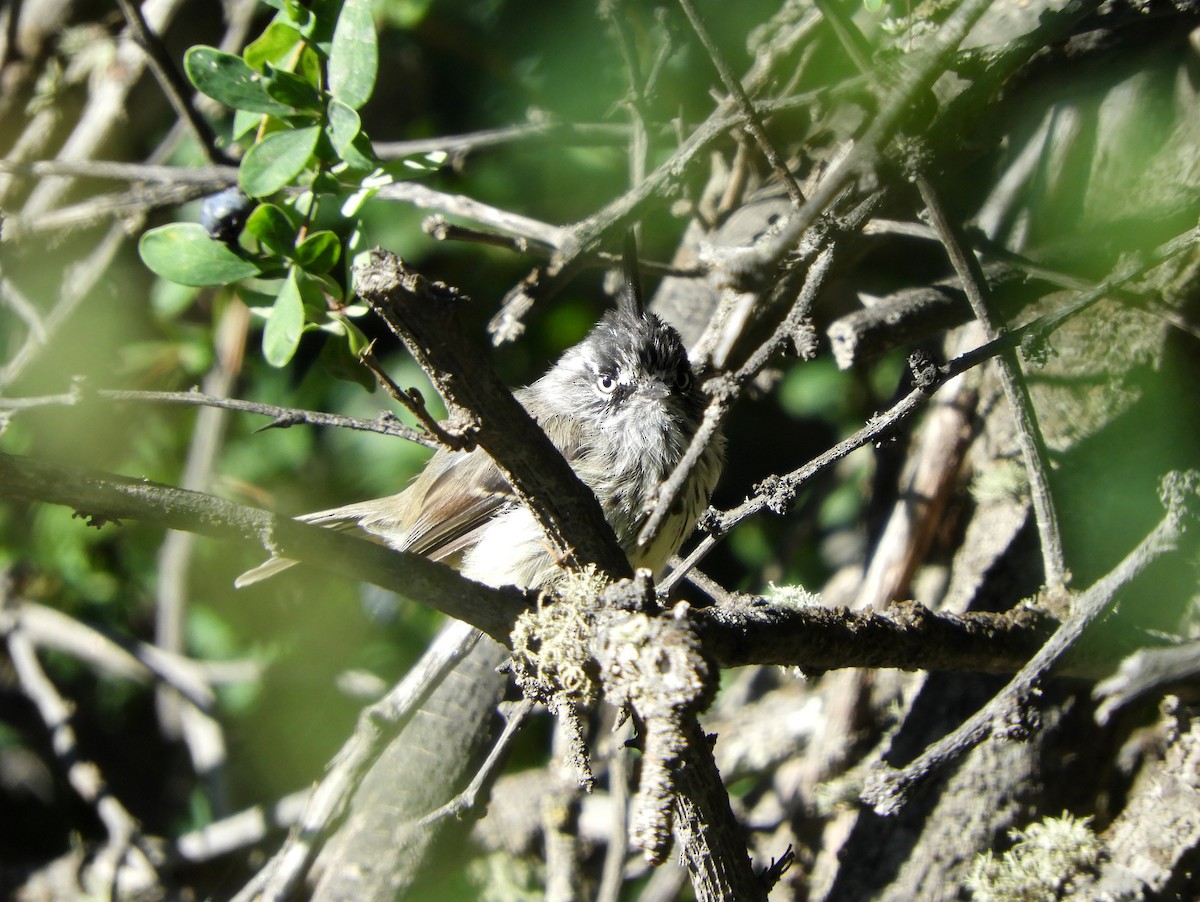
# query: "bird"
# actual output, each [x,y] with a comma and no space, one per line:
[622,406]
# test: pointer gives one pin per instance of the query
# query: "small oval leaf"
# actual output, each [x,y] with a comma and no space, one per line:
[281,336]
[354,56]
[274,45]
[349,142]
[273,229]
[277,159]
[319,252]
[344,125]
[292,90]
[183,252]
[226,78]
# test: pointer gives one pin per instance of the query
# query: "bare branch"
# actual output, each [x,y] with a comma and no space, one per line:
[888,789]
[1029,434]
[734,87]
[283,417]
[106,498]
[422,314]
[171,82]
[85,777]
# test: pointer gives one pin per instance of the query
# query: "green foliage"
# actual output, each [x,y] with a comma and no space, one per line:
[184,253]
[306,172]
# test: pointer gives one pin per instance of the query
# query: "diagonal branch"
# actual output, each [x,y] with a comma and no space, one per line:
[1029,433]
[423,315]
[104,498]
[753,123]
[888,789]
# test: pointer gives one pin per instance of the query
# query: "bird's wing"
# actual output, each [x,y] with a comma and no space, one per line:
[440,514]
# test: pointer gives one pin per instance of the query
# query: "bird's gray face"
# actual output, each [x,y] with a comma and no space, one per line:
[631,383]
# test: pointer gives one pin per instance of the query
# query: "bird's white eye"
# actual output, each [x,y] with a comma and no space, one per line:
[606,382]
[683,379]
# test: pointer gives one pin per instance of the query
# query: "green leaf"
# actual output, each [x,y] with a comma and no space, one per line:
[183,253]
[322,22]
[340,360]
[344,125]
[277,159]
[244,122]
[354,56]
[311,67]
[292,8]
[345,134]
[355,338]
[318,289]
[281,337]
[226,78]
[277,42]
[319,252]
[292,90]
[273,229]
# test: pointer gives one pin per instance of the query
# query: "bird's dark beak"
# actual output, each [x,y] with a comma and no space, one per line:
[653,390]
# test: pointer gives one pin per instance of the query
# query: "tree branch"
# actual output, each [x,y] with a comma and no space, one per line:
[105,498]
[1029,434]
[888,789]
[283,417]
[422,314]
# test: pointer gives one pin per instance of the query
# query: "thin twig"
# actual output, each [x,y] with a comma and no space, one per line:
[514,716]
[778,492]
[585,236]
[613,872]
[455,439]
[214,177]
[439,228]
[887,790]
[84,776]
[1029,433]
[123,204]
[919,73]
[637,99]
[731,385]
[565,132]
[502,221]
[753,122]
[282,417]
[24,308]
[172,83]
[246,828]
[129,658]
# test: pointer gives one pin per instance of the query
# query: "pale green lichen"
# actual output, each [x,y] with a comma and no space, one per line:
[1043,861]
